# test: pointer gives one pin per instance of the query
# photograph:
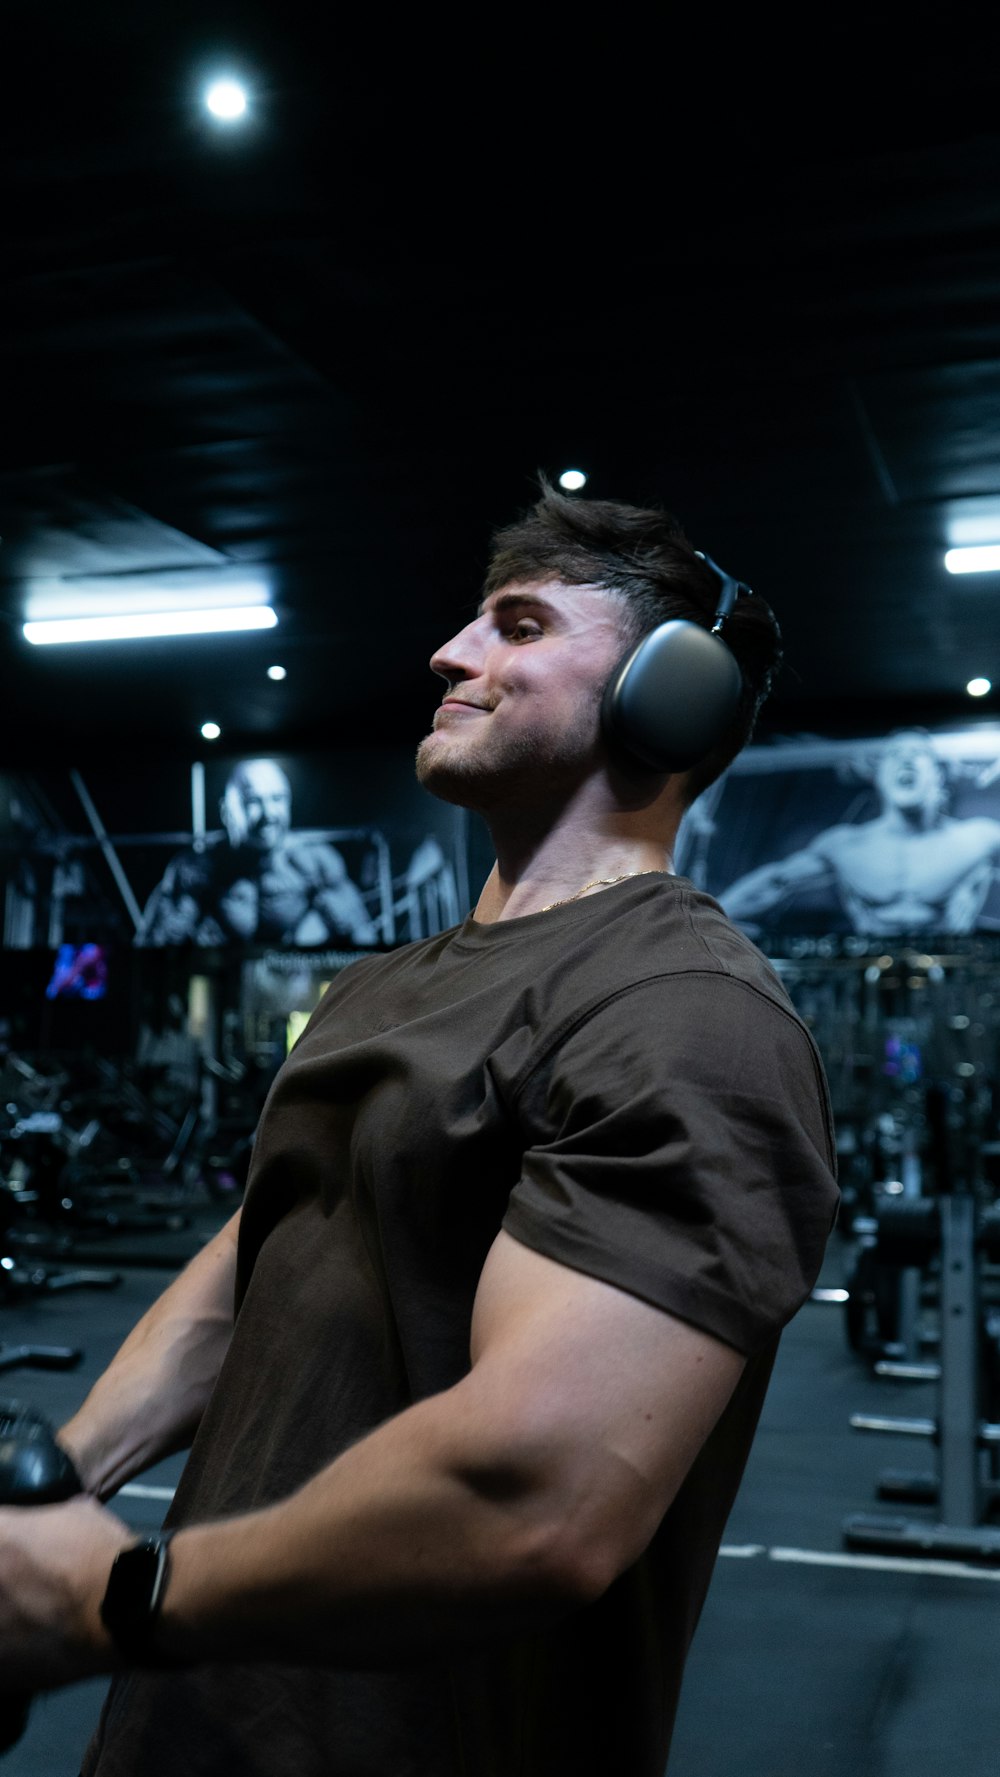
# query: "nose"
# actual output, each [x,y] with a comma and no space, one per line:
[462,657]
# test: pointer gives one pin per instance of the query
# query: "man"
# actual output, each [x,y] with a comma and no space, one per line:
[914,868]
[262,883]
[529,1205]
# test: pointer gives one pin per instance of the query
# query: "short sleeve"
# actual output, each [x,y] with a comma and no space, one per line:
[678,1144]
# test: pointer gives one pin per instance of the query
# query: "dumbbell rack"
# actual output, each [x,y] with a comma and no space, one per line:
[962,1487]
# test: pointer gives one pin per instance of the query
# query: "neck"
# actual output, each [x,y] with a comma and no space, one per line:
[551,859]
[914,820]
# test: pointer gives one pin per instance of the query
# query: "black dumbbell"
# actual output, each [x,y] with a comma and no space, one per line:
[34,1471]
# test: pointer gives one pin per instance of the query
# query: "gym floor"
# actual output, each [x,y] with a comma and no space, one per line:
[807,1657]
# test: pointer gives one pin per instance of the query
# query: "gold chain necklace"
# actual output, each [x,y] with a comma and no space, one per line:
[598,882]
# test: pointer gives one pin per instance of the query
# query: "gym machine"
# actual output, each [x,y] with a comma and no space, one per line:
[86,1155]
[956,1233]
[888,1025]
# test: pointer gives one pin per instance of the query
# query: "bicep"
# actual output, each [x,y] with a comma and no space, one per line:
[615,1396]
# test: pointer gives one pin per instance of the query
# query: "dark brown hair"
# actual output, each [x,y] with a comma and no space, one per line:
[642,554]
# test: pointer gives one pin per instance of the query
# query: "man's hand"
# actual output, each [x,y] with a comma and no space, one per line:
[54,1567]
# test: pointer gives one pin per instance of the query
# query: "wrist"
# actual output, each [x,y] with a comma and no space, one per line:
[75,1447]
[133,1601]
[101,1468]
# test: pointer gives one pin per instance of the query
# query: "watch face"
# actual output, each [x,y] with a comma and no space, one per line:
[135,1588]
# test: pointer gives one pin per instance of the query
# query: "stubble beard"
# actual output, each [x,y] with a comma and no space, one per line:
[520,768]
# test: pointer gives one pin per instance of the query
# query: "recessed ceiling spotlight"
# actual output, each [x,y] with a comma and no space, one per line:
[276,672]
[979,558]
[978,687]
[210,730]
[227,100]
[572,480]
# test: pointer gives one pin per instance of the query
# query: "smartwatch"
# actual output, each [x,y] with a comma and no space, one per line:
[131,1604]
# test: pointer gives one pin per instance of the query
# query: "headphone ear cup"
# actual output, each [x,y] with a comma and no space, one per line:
[670,700]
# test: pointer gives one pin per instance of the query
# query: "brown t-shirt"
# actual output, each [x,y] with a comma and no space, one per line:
[623,1085]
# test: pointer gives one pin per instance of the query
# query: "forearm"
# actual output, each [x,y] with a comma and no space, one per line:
[419,1542]
[151,1397]
[489,1510]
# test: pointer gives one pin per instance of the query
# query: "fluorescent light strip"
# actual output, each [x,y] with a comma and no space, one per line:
[981,558]
[135,625]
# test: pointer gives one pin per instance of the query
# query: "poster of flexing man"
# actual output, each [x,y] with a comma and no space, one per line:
[886,837]
[259,879]
[256,852]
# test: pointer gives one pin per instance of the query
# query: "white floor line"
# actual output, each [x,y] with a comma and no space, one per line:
[138,1491]
[962,1570]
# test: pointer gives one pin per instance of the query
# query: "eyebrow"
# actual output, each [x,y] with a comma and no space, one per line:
[509,601]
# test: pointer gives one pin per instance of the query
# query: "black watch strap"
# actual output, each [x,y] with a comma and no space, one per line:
[131,1605]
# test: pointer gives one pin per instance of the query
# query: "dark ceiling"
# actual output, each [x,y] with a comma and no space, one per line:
[756,280]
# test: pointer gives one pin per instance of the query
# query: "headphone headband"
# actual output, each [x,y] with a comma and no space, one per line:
[731,591]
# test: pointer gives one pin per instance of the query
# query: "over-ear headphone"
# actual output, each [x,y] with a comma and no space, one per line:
[671,698]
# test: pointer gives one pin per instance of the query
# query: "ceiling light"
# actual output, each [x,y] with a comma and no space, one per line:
[129,626]
[978,687]
[572,480]
[983,558]
[276,672]
[226,99]
[210,730]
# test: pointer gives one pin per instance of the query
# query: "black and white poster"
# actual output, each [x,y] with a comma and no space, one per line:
[896,835]
[263,852]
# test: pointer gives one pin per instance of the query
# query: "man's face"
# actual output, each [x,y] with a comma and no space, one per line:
[521,713]
[909,773]
[267,803]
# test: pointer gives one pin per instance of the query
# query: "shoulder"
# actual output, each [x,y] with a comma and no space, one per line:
[708,1033]
[834,840]
[979,829]
[678,1140]
[635,943]
[684,931]
[681,994]
[196,864]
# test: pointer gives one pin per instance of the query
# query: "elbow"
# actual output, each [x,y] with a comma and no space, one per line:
[600,1529]
[569,1565]
[600,1522]
[594,1567]
[557,1520]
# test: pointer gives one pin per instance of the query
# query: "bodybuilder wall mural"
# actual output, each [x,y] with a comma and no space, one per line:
[883,837]
[254,852]
[887,836]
